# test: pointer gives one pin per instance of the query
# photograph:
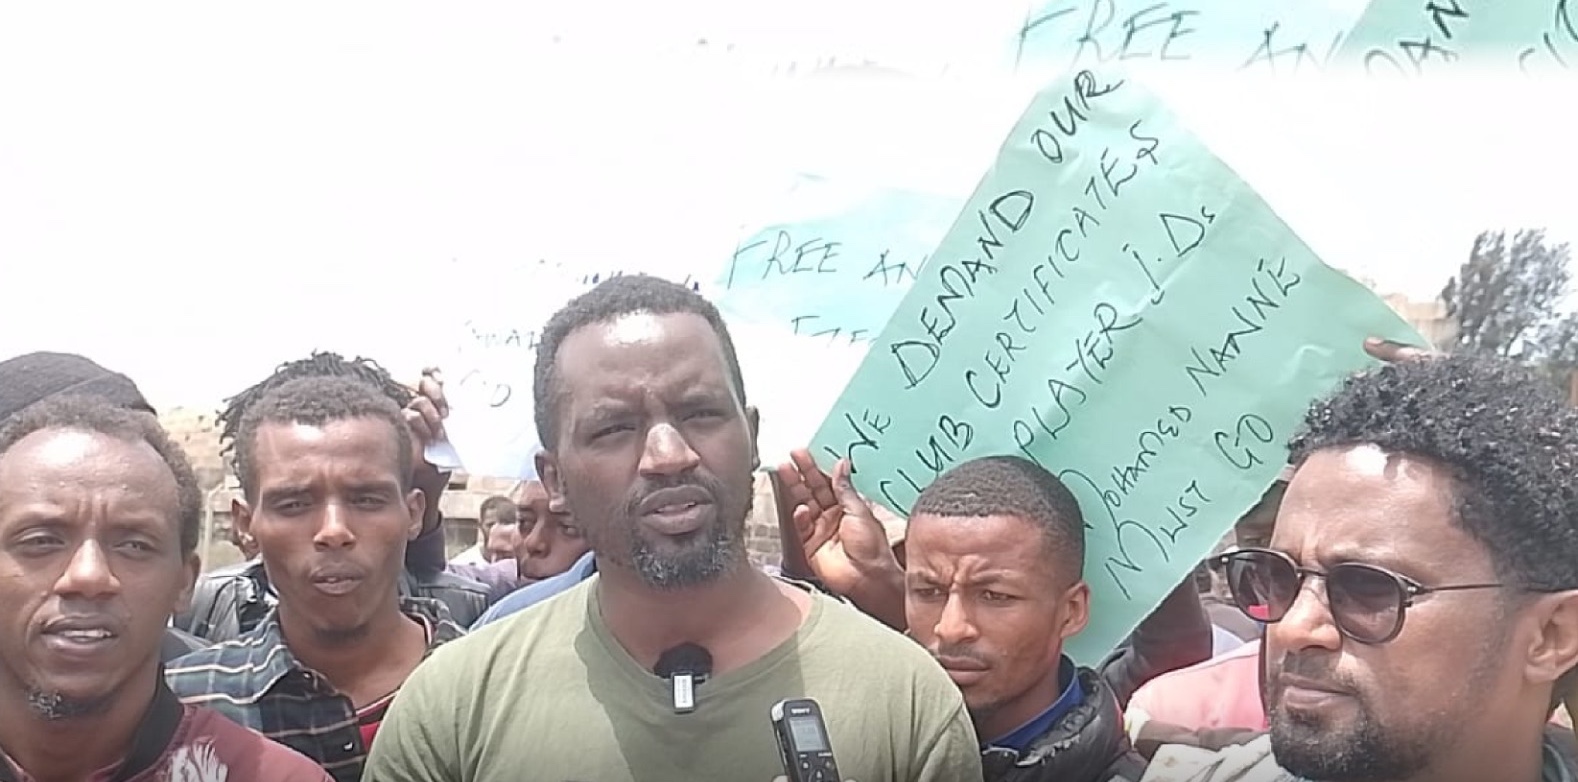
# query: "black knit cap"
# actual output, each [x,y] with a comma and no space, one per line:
[34,377]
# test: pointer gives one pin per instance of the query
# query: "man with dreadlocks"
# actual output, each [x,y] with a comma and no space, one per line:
[231,601]
[325,471]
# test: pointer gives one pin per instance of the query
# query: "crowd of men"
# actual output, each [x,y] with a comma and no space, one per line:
[1404,599]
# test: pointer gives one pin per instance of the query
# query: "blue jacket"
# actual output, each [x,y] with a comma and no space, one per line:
[528,596]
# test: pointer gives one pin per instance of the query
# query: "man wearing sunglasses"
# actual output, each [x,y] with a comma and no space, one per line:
[1421,586]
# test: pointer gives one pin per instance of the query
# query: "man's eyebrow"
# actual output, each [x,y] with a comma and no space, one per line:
[983,578]
[701,396]
[52,519]
[374,485]
[1364,555]
[275,493]
[602,410]
[142,521]
[39,513]
[1002,576]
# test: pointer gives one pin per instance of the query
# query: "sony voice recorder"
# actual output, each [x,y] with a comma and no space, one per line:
[803,742]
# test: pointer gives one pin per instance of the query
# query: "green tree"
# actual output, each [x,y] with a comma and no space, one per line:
[1510,299]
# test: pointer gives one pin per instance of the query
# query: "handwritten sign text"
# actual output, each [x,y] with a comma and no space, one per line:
[1116,305]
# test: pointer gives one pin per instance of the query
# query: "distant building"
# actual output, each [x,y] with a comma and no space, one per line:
[1429,318]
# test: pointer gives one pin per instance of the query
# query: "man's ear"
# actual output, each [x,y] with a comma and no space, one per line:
[416,503]
[241,522]
[1553,647]
[1076,610]
[193,566]
[753,419]
[552,481]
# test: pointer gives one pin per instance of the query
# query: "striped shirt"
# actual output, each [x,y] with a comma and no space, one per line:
[256,682]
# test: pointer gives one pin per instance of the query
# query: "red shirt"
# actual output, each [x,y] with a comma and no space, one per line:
[369,717]
[1222,692]
[209,748]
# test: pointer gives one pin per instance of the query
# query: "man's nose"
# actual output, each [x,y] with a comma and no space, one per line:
[666,452]
[333,529]
[1308,622]
[88,574]
[540,539]
[955,625]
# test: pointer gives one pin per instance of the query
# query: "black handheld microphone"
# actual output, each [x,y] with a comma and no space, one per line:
[685,666]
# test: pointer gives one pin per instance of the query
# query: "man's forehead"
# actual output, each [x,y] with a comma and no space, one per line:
[363,437]
[601,356]
[1371,471]
[1365,497]
[999,541]
[57,449]
[636,328]
[531,491]
[637,331]
[339,430]
[362,447]
[59,464]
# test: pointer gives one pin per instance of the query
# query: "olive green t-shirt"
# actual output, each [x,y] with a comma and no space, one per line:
[549,696]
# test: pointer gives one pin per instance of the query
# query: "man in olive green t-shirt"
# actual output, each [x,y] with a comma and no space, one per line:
[649,444]
[549,694]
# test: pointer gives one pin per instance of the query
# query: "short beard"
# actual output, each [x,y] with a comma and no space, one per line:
[1361,753]
[719,555]
[57,706]
[1368,751]
[712,560]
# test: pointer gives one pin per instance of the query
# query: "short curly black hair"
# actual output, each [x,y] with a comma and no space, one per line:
[1012,486]
[319,364]
[98,415]
[1510,442]
[613,298]
[317,401]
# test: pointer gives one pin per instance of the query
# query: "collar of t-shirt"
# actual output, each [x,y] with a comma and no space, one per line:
[371,716]
[1019,739]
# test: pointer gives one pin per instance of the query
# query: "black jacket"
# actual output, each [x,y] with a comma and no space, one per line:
[1088,744]
[230,601]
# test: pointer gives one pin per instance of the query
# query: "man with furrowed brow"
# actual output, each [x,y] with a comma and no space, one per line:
[992,586]
[650,446]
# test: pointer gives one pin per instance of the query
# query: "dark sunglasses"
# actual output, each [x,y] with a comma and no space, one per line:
[1367,603]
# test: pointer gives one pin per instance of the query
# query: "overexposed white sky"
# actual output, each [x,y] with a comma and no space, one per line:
[192,193]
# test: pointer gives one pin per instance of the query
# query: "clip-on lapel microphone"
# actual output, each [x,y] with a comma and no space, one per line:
[685,666]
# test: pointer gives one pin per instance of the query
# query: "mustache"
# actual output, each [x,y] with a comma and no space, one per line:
[959,652]
[646,487]
[1317,667]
